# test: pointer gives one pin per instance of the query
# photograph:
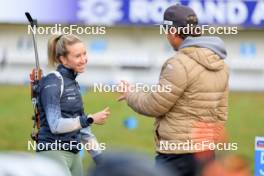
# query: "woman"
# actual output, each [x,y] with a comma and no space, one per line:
[63,122]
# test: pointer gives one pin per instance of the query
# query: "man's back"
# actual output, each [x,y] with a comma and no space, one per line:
[200,111]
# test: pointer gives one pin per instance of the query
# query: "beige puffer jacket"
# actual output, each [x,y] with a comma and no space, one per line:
[193,113]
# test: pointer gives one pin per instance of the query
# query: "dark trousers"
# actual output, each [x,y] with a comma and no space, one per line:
[189,164]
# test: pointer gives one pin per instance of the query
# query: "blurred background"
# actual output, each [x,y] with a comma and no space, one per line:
[133,49]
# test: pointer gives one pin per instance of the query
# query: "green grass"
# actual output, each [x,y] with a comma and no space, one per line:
[245,121]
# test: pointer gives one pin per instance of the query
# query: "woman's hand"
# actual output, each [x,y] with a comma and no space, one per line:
[101,117]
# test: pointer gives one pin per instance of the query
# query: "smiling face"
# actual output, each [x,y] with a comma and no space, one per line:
[76,58]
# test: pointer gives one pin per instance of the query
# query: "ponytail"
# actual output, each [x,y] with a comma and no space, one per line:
[57,47]
[52,50]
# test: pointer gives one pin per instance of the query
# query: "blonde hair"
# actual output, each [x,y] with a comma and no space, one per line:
[57,47]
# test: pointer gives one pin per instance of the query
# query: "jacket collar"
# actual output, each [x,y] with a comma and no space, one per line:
[67,72]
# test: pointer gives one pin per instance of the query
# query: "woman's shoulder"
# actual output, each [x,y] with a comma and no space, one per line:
[50,79]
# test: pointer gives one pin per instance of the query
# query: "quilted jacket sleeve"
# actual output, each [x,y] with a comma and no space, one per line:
[172,82]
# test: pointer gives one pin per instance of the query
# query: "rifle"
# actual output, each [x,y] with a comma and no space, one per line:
[35,77]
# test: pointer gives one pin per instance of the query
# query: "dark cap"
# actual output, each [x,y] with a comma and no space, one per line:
[179,15]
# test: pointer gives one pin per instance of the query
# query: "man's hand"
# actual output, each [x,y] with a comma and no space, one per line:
[125,89]
[101,117]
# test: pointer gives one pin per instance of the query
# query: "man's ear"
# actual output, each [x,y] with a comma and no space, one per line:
[177,39]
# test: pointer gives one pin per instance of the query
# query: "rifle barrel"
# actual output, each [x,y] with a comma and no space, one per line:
[33,23]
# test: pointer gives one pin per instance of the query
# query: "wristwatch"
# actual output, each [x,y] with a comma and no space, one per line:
[90,119]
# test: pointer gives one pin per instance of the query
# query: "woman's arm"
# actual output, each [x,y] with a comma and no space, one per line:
[50,100]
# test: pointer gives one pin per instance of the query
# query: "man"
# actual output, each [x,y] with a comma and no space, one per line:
[191,116]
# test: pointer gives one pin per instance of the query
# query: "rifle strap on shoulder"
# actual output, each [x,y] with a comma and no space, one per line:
[61,78]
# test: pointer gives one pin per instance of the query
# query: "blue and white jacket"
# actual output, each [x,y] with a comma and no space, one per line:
[62,116]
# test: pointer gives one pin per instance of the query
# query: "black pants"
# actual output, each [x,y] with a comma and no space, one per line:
[184,164]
